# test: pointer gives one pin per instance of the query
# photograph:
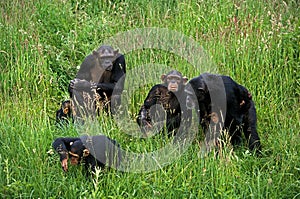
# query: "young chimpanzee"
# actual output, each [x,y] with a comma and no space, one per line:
[99,81]
[170,95]
[93,151]
[219,96]
[64,114]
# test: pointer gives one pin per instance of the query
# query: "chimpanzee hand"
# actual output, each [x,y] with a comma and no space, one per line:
[146,127]
[145,123]
[81,84]
[64,164]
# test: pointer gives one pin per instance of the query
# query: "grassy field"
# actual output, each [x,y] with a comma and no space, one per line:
[43,43]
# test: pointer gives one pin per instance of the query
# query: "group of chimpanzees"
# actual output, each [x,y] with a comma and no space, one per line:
[220,101]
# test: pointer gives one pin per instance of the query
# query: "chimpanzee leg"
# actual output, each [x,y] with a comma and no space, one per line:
[250,128]
[172,125]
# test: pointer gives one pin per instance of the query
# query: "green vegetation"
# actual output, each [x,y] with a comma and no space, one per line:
[43,42]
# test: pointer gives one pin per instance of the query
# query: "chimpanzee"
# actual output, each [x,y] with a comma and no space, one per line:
[64,114]
[170,95]
[220,96]
[101,74]
[94,151]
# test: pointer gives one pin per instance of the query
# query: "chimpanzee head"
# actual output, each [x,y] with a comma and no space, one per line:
[174,81]
[197,92]
[66,107]
[77,151]
[65,112]
[106,56]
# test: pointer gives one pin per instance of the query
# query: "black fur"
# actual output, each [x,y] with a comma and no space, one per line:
[215,93]
[103,151]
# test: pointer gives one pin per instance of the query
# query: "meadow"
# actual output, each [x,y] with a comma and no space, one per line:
[44,42]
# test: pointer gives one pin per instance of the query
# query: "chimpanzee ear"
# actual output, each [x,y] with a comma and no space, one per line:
[162,77]
[184,79]
[96,53]
[116,52]
[86,152]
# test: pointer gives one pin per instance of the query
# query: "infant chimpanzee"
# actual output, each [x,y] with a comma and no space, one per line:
[94,151]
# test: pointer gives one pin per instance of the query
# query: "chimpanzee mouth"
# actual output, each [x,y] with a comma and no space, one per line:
[109,68]
[173,89]
[73,163]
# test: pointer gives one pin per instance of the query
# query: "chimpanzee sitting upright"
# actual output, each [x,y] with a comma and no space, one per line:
[216,94]
[100,79]
[64,114]
[170,95]
[95,151]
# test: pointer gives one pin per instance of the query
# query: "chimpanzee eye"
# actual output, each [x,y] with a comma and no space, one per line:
[174,78]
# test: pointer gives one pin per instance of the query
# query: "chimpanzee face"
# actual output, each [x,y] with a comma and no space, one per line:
[107,55]
[74,158]
[174,81]
[76,152]
[66,107]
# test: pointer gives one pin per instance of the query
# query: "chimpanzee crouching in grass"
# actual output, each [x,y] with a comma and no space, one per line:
[98,83]
[169,98]
[219,96]
[93,151]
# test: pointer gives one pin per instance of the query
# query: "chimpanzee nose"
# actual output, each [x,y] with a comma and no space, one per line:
[108,63]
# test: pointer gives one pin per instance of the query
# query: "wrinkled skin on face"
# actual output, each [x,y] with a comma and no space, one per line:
[74,160]
[76,152]
[106,56]
[174,81]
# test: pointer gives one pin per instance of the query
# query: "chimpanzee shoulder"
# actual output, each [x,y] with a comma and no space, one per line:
[119,63]
[157,90]
[159,87]
[89,62]
[64,142]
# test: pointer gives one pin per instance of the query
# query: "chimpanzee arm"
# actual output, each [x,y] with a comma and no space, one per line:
[118,71]
[62,146]
[151,99]
[84,71]
[250,128]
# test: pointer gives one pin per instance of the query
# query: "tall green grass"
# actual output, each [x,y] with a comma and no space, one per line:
[43,43]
